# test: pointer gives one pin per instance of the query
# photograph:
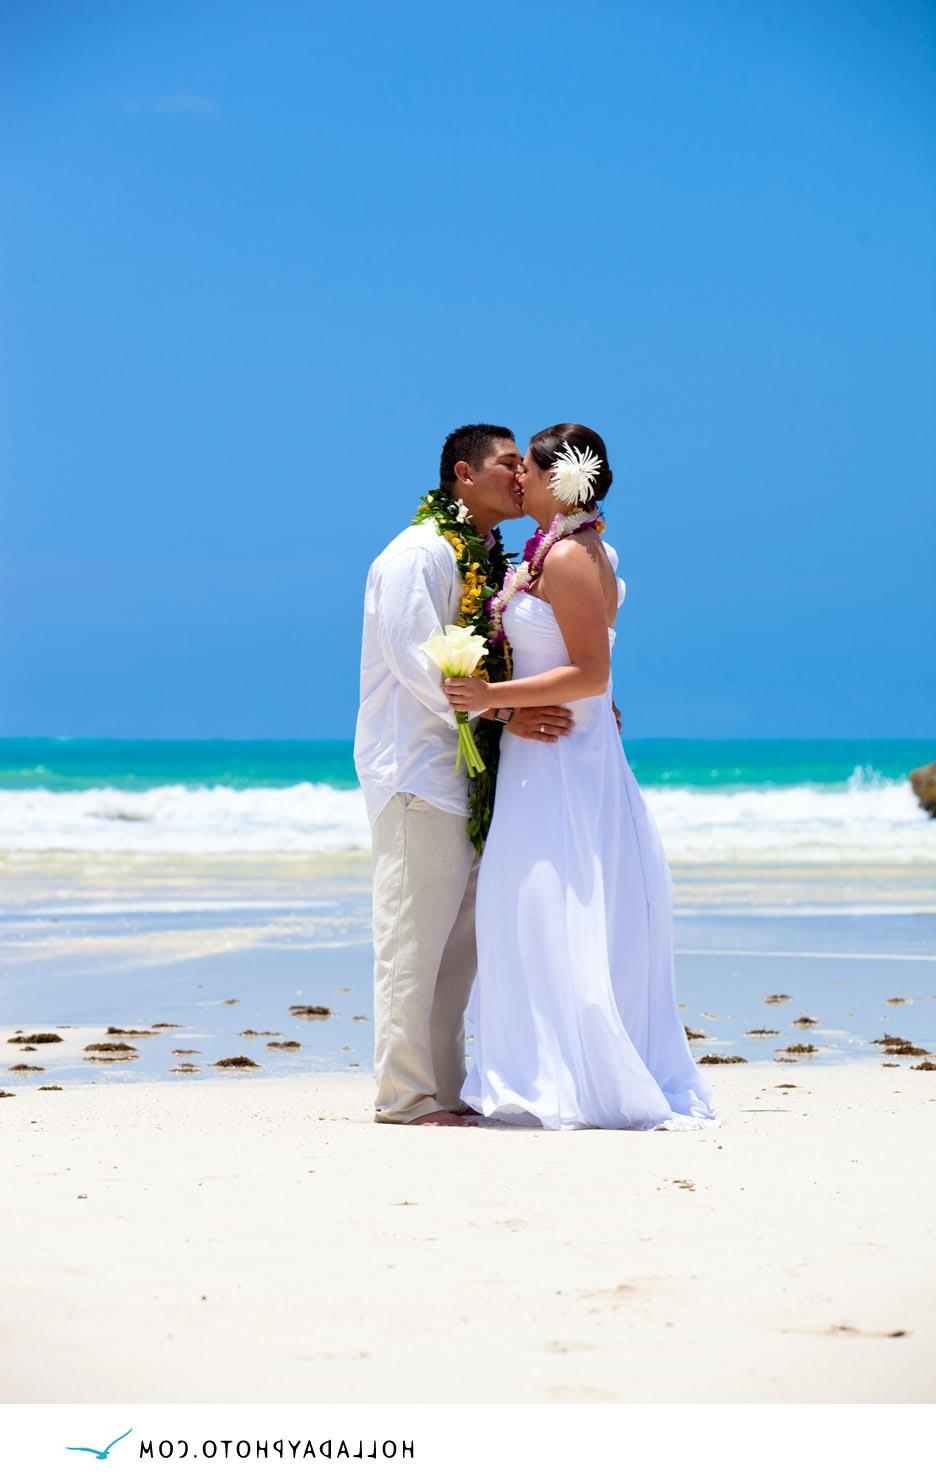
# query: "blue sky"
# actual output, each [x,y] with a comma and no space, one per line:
[259,258]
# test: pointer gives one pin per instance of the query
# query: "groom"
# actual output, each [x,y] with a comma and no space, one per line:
[425,866]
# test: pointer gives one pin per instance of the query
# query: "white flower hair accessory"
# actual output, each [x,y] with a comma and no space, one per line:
[574,475]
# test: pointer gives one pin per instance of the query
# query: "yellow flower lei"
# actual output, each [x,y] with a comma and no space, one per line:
[482,566]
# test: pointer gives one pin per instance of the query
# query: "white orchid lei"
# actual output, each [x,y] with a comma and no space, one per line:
[521,578]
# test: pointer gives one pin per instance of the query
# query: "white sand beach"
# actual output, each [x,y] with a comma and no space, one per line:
[253,1239]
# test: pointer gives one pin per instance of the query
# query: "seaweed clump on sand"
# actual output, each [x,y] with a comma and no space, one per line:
[898,1045]
[800,1048]
[186,1067]
[166,1025]
[183,1052]
[112,1047]
[777,998]
[41,1037]
[692,1034]
[49,1089]
[235,1061]
[713,1060]
[25,1066]
[310,1012]
[924,1066]
[805,1022]
[760,1031]
[285,1045]
[10,1094]
[119,1030]
[259,1032]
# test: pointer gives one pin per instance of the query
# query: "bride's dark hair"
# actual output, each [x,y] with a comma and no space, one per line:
[546,445]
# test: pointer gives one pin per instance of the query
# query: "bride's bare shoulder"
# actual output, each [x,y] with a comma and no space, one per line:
[573,568]
[580,557]
[569,562]
[576,566]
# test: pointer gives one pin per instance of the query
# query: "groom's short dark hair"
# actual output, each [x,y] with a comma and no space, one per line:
[469,443]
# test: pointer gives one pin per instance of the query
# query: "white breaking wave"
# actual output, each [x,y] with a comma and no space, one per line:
[863,823]
[175,818]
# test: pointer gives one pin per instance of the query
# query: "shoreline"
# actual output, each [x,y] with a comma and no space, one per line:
[263,1240]
[37,876]
[227,949]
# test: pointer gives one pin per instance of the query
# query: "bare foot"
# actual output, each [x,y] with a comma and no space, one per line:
[440,1119]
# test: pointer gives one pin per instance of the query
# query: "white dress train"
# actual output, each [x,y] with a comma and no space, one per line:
[574,1009]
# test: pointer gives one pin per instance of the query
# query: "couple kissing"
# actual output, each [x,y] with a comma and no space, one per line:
[532,872]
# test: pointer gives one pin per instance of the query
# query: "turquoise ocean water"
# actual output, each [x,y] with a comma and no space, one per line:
[724,801]
[71,764]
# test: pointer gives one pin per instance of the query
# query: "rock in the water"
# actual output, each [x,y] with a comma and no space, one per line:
[924,787]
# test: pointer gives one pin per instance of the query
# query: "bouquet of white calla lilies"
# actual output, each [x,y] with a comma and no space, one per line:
[456,651]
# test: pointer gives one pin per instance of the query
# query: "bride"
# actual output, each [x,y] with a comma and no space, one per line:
[576,1022]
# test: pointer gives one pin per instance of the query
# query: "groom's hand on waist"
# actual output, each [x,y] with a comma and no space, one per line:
[545,724]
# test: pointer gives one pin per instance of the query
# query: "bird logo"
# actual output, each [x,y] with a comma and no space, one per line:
[100,1455]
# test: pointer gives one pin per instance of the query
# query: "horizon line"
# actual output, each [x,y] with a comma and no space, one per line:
[349,738]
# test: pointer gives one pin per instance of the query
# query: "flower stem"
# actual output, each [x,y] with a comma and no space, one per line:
[467,748]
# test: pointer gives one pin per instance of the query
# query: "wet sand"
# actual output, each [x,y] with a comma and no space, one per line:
[260,1239]
[219,951]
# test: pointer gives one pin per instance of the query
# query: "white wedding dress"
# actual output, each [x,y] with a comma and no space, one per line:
[574,1009]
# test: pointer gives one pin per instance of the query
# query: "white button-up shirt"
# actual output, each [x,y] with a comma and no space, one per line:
[406,737]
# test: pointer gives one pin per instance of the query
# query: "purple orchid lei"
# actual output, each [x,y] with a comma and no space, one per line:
[535,550]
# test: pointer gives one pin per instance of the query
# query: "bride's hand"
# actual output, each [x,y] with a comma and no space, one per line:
[467,694]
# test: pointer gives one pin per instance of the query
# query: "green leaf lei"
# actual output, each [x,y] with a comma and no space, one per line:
[482,570]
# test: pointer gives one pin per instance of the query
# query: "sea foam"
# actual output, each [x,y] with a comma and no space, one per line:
[862,822]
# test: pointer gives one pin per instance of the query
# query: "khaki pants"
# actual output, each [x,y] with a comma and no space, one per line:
[425,874]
